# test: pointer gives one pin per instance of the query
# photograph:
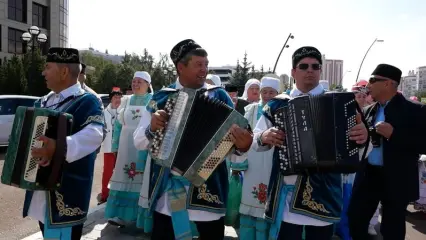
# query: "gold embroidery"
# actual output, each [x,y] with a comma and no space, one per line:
[64,209]
[97,119]
[307,199]
[205,194]
[153,104]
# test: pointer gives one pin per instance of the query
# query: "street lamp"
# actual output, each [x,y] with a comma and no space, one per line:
[170,73]
[347,71]
[360,66]
[285,46]
[36,38]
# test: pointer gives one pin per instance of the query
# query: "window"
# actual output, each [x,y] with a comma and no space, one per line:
[39,15]
[16,45]
[7,106]
[17,10]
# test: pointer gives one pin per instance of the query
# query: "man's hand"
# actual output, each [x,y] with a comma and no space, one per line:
[158,120]
[273,137]
[384,129]
[359,132]
[45,152]
[242,138]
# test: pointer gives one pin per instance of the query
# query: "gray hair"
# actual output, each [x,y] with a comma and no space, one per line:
[74,69]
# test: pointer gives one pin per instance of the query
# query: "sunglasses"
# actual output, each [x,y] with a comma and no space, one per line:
[305,66]
[374,80]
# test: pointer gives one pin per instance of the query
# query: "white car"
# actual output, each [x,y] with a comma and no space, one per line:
[8,105]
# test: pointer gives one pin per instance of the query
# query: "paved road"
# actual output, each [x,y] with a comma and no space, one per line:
[12,225]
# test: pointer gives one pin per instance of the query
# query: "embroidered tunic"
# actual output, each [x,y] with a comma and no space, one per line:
[68,206]
[126,181]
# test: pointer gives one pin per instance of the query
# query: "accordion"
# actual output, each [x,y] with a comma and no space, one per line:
[20,167]
[196,137]
[317,134]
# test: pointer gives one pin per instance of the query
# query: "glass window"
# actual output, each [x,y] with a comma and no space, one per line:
[39,15]
[17,10]
[26,102]
[15,43]
[8,106]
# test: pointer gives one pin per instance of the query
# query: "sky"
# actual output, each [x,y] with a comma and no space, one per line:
[340,29]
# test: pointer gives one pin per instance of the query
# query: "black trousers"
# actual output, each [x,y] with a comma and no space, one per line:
[163,228]
[290,231]
[76,232]
[369,190]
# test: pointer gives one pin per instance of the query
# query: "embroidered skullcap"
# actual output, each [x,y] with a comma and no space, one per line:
[115,91]
[270,82]
[231,88]
[181,49]
[304,52]
[250,83]
[144,75]
[215,79]
[63,55]
[388,71]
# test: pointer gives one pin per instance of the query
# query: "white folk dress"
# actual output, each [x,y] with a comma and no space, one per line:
[255,185]
[126,181]
[420,204]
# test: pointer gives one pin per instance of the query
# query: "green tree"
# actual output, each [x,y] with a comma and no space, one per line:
[12,75]
[107,79]
[33,64]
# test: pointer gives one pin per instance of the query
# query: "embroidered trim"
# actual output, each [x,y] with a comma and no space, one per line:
[64,210]
[153,105]
[205,194]
[131,170]
[260,193]
[136,114]
[307,199]
[97,119]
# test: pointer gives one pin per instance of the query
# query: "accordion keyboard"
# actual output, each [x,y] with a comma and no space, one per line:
[162,144]
[39,129]
[216,157]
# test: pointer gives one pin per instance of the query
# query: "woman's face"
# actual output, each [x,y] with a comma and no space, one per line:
[267,94]
[361,99]
[253,93]
[139,86]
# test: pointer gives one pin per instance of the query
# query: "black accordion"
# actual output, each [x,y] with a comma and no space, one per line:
[196,137]
[317,134]
[20,167]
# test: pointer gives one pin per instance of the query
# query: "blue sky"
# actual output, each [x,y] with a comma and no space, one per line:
[340,29]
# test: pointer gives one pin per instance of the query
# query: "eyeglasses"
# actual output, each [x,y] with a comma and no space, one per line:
[374,80]
[305,66]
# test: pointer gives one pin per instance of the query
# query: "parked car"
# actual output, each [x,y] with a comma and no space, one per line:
[105,99]
[8,106]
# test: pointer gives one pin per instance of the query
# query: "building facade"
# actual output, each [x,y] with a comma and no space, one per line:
[116,59]
[17,16]
[225,73]
[408,87]
[332,71]
[421,79]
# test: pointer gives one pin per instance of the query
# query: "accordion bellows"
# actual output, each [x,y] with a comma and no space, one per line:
[317,134]
[196,138]
[20,168]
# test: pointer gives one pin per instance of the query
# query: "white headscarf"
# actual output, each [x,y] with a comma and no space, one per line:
[215,79]
[270,82]
[145,76]
[250,83]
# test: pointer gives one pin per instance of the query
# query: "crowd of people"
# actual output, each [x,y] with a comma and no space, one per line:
[139,191]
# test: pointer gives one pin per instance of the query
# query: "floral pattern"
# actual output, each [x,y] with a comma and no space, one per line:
[131,170]
[136,114]
[260,192]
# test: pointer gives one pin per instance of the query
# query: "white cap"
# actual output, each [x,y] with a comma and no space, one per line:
[215,79]
[270,82]
[144,75]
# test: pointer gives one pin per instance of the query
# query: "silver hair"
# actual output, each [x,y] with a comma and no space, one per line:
[74,69]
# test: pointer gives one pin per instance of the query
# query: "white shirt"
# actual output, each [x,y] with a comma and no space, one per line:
[141,143]
[79,145]
[264,124]
[110,117]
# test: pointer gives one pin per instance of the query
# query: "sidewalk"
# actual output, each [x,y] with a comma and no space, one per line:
[96,227]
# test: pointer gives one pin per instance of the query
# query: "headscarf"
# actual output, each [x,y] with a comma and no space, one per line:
[249,83]
[270,82]
[145,76]
[215,79]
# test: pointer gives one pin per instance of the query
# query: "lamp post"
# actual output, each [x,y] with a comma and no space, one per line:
[344,74]
[360,66]
[169,73]
[282,49]
[36,38]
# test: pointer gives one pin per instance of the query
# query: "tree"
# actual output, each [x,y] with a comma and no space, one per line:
[33,64]
[12,76]
[107,79]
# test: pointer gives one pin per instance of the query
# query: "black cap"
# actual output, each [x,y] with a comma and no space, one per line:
[181,49]
[304,52]
[63,55]
[388,71]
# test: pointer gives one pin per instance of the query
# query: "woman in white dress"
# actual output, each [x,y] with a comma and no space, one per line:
[126,182]
[257,169]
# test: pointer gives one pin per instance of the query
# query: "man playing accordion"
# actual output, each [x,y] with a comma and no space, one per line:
[61,213]
[301,205]
[205,205]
